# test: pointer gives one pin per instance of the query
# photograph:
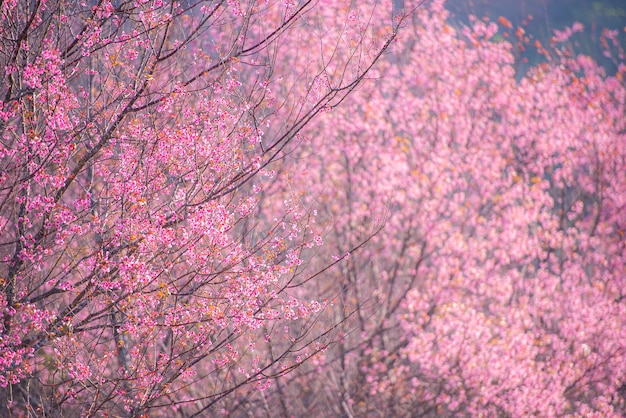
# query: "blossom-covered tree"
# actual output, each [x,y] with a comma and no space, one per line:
[496,287]
[138,275]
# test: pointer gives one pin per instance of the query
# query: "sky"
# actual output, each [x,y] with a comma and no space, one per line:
[548,15]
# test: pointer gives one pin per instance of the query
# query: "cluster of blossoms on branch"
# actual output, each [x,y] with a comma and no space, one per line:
[139,274]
